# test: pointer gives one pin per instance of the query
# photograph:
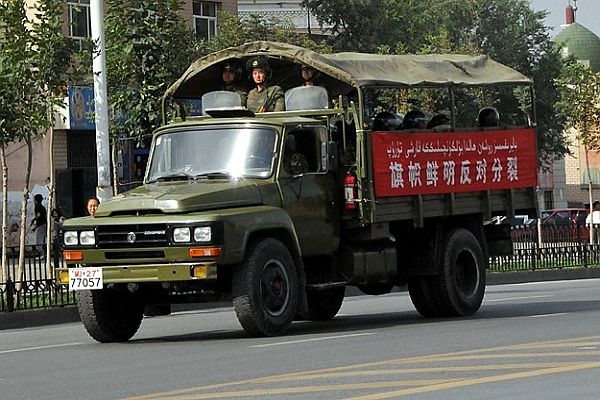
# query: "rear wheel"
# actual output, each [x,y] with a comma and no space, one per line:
[324,304]
[109,315]
[460,286]
[265,289]
[419,288]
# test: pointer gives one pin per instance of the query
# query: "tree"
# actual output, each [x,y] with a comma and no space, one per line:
[235,31]
[398,24]
[513,34]
[52,61]
[579,105]
[509,31]
[34,59]
[147,48]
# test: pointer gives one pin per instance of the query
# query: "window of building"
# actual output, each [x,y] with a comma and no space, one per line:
[205,19]
[79,18]
[548,200]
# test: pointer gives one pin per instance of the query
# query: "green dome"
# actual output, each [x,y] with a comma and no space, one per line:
[580,42]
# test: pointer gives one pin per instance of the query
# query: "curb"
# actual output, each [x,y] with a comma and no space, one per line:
[505,278]
[33,318]
[55,316]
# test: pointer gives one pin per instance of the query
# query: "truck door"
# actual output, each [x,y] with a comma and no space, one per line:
[308,189]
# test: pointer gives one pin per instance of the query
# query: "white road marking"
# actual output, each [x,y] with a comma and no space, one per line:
[518,298]
[313,339]
[39,347]
[546,315]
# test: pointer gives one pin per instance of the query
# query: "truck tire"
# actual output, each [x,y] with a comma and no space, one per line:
[419,289]
[265,289]
[459,288]
[324,304]
[109,315]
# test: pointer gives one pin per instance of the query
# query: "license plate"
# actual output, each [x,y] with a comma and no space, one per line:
[85,278]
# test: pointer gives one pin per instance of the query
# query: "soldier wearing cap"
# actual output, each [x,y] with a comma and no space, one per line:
[309,75]
[263,98]
[231,74]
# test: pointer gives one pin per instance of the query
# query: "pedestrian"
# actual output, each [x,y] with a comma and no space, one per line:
[263,98]
[57,221]
[231,73]
[92,205]
[38,224]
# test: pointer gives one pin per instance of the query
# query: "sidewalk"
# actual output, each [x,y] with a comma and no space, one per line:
[53,316]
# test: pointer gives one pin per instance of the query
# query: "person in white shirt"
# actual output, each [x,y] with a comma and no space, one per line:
[594,220]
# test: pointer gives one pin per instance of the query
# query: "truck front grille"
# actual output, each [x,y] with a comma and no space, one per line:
[131,255]
[125,236]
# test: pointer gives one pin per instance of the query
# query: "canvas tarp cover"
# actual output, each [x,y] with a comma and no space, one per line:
[351,70]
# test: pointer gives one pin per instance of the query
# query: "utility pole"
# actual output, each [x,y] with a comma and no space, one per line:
[104,188]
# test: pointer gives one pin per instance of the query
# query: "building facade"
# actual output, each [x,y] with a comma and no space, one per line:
[571,174]
[291,11]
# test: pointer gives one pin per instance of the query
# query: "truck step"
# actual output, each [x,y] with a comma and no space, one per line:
[325,286]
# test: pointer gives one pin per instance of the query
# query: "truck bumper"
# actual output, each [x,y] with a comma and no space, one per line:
[150,273]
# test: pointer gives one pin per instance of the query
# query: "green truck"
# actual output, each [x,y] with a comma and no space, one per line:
[281,211]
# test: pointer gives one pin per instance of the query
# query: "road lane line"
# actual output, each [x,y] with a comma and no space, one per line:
[51,346]
[518,298]
[547,315]
[264,393]
[313,339]
[478,381]
[402,371]
[397,361]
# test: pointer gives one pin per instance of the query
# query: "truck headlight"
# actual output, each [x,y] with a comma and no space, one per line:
[70,238]
[181,235]
[87,238]
[202,234]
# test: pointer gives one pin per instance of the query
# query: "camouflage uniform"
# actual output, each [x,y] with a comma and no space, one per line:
[273,94]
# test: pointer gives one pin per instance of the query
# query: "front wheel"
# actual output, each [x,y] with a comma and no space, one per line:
[109,315]
[265,289]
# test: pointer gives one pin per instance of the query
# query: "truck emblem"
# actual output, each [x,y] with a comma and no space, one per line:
[154,232]
[131,237]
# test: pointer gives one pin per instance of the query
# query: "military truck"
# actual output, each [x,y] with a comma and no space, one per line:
[282,211]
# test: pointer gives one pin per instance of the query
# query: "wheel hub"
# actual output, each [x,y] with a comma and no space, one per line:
[274,288]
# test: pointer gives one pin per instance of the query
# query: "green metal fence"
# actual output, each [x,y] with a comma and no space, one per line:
[557,248]
[35,288]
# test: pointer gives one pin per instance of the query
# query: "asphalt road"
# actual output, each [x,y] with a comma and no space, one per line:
[529,341]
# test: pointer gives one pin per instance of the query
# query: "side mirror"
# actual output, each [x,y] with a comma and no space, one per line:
[329,156]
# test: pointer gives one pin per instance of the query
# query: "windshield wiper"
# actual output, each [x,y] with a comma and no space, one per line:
[216,175]
[180,176]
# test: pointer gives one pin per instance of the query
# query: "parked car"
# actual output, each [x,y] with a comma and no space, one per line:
[517,220]
[564,216]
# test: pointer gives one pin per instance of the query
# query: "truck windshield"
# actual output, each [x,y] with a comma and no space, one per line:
[213,154]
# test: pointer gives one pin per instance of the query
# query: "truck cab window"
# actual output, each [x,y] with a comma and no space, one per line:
[302,151]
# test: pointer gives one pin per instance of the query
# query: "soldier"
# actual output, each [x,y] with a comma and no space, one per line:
[309,75]
[231,74]
[263,98]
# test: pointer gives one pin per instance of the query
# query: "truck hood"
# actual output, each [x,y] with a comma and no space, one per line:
[182,197]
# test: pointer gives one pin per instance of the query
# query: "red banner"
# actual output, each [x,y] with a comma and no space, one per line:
[450,162]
